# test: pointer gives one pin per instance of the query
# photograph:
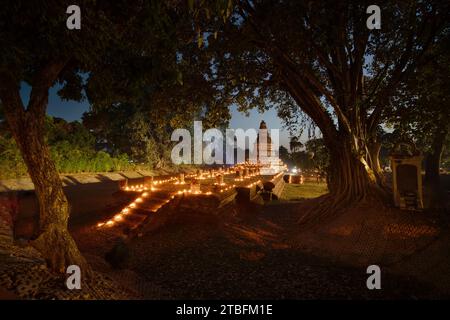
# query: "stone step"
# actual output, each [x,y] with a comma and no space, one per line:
[140,211]
[132,221]
[150,201]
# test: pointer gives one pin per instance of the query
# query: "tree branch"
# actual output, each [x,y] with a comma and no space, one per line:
[41,83]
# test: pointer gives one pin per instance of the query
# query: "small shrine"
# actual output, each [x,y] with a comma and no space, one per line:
[406,165]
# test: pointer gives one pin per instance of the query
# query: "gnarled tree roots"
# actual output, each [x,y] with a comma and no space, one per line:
[331,205]
[60,250]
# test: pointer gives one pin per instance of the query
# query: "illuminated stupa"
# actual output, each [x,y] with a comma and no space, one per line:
[266,153]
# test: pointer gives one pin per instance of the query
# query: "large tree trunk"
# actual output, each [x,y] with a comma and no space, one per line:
[28,128]
[352,177]
[432,165]
[373,150]
[54,240]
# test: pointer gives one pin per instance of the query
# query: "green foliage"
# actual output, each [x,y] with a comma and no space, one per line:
[139,133]
[11,163]
[72,148]
[318,154]
[284,155]
[420,110]
[313,155]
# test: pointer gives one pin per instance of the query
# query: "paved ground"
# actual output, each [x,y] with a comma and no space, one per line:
[260,253]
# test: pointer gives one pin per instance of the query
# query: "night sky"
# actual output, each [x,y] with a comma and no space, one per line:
[72,111]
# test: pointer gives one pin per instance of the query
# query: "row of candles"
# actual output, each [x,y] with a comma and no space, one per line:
[243,178]
[127,210]
[144,194]
[188,191]
[253,184]
[143,187]
[277,175]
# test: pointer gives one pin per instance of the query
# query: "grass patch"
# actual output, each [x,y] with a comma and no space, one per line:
[303,191]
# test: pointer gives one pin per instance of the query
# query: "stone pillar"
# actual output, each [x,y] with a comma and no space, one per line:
[181,178]
[195,186]
[123,184]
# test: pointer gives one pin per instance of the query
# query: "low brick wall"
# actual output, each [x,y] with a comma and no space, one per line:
[279,186]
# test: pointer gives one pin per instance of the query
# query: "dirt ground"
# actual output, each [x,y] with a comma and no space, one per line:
[259,252]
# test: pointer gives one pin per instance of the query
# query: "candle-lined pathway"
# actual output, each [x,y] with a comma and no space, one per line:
[157,193]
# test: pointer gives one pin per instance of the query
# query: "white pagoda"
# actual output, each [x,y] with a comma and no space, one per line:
[267,153]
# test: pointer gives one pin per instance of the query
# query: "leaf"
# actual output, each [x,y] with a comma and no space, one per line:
[200,40]
[180,78]
[229,8]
